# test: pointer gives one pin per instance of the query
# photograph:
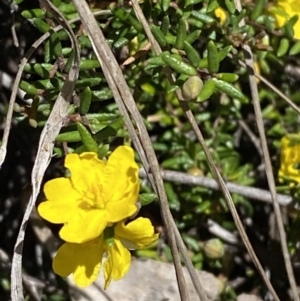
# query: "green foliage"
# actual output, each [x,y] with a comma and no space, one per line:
[194,43]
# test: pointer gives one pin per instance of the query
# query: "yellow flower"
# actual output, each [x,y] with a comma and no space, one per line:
[290,159]
[220,13]
[84,260]
[285,10]
[96,194]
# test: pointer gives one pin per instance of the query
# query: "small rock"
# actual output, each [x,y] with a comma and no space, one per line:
[147,280]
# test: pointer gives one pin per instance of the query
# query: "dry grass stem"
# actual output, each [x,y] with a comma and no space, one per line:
[269,171]
[116,82]
[44,153]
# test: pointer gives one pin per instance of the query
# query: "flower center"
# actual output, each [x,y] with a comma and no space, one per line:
[94,197]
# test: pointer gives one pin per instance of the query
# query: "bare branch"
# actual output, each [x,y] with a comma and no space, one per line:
[250,192]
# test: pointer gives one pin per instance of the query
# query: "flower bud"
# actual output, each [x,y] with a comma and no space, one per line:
[192,87]
[214,248]
[195,171]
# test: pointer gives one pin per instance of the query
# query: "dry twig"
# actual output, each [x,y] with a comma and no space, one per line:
[269,172]
[44,153]
[122,93]
[250,192]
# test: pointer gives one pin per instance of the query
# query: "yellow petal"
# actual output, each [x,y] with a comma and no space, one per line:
[220,13]
[285,10]
[117,263]
[62,200]
[136,234]
[83,260]
[297,28]
[85,225]
[289,159]
[86,170]
[120,184]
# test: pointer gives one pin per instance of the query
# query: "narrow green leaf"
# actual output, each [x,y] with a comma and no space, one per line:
[191,2]
[203,207]
[84,41]
[28,88]
[165,24]
[121,13]
[269,23]
[212,6]
[67,8]
[114,129]
[29,68]
[165,4]
[101,116]
[191,242]
[207,91]
[128,18]
[227,77]
[212,57]
[283,47]
[85,100]
[135,23]
[72,136]
[89,64]
[230,6]
[295,49]
[33,13]
[203,63]
[221,56]
[171,39]
[155,61]
[193,36]
[56,82]
[172,197]
[66,51]
[97,126]
[121,42]
[103,94]
[41,69]
[69,61]
[177,65]
[264,66]
[192,54]
[87,139]
[224,52]
[42,26]
[55,45]
[258,8]
[202,17]
[87,82]
[159,36]
[195,23]
[147,198]
[47,52]
[181,34]
[289,26]
[229,89]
